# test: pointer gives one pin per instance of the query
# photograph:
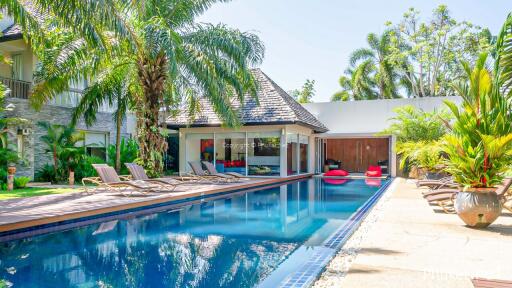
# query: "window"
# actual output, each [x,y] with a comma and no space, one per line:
[230,151]
[17,67]
[96,144]
[263,153]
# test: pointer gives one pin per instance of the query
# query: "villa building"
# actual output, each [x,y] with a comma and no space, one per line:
[281,137]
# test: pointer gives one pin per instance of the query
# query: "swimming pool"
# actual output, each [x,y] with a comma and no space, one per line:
[268,238]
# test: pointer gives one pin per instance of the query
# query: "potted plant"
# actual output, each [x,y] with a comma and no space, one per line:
[479,147]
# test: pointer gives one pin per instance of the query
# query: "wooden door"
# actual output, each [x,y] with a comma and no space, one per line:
[356,154]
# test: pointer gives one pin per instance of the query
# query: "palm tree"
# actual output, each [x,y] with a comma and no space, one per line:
[373,73]
[503,63]
[60,141]
[346,90]
[169,58]
[111,88]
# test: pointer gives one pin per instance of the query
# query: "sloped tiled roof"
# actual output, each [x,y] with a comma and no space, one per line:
[275,107]
[14,31]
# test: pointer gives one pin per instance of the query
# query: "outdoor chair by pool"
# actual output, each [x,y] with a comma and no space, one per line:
[110,181]
[436,184]
[200,175]
[138,173]
[213,171]
[97,179]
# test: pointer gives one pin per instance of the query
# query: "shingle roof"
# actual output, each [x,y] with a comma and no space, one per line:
[14,31]
[275,107]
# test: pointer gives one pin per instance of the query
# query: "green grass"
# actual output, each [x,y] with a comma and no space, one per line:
[30,192]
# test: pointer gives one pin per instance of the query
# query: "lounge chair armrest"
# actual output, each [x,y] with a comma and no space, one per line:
[125,177]
[91,180]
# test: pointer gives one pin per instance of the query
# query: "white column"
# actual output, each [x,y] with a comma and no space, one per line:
[283,154]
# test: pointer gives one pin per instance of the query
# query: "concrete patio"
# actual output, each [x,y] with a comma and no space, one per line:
[404,242]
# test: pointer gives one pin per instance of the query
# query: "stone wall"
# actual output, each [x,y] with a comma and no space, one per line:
[35,151]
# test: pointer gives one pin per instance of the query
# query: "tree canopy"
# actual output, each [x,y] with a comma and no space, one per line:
[306,93]
[156,47]
[413,58]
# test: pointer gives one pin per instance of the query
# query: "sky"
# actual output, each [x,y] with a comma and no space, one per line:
[312,39]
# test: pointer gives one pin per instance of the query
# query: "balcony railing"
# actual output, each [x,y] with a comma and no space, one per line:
[71,98]
[17,88]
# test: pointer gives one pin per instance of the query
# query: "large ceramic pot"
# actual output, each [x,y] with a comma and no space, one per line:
[478,207]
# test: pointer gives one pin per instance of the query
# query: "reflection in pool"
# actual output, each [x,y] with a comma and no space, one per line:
[236,241]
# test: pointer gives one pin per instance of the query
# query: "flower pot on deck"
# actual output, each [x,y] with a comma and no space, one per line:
[478,207]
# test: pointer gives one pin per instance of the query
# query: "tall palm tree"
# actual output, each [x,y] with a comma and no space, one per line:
[503,63]
[169,57]
[372,70]
[110,88]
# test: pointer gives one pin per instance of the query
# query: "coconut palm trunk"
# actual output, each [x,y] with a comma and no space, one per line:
[152,75]
[119,124]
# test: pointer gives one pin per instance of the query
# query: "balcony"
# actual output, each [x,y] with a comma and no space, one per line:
[70,99]
[18,88]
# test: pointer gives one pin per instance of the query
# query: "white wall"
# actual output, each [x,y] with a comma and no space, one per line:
[368,116]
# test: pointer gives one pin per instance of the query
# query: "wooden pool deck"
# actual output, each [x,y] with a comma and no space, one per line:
[29,212]
[404,242]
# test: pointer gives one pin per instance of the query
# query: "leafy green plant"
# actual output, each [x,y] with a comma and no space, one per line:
[46,174]
[62,143]
[21,182]
[479,147]
[86,169]
[412,124]
[426,155]
[128,149]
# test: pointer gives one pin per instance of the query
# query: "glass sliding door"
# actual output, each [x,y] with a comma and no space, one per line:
[304,153]
[263,153]
[200,147]
[292,150]
[230,150]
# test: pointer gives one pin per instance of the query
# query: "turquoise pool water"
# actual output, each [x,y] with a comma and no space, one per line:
[238,240]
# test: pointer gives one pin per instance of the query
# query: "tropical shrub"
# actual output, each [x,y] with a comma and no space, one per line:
[128,151]
[62,143]
[46,174]
[86,169]
[418,133]
[479,147]
[3,179]
[412,124]
[423,154]
[21,182]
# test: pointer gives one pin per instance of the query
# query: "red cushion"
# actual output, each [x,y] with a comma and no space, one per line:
[373,173]
[336,172]
[374,168]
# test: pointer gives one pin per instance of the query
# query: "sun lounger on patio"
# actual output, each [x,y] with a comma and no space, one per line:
[138,173]
[213,171]
[200,175]
[110,181]
[446,182]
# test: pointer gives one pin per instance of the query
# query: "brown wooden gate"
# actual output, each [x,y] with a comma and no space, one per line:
[356,154]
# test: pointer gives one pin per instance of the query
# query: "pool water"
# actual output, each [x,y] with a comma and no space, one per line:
[238,240]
